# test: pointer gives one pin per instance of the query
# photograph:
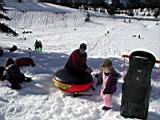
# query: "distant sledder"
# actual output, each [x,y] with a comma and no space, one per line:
[13,48]
[10,49]
[87,18]
[76,77]
[38,45]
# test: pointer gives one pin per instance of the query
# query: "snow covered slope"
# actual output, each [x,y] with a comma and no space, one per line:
[33,5]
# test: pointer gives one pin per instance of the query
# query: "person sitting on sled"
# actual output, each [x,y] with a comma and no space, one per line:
[109,77]
[13,74]
[76,63]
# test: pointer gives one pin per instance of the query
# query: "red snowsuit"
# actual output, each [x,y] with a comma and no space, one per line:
[76,63]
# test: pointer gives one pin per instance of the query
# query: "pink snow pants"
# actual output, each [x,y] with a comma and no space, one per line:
[107,98]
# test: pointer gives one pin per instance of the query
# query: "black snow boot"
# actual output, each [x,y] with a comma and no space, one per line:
[106,108]
[16,86]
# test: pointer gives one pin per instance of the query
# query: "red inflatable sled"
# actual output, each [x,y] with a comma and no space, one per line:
[69,83]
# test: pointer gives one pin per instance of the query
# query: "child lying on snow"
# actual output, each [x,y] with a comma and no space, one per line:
[13,74]
[109,77]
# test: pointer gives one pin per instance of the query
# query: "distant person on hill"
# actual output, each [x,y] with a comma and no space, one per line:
[38,45]
[13,74]
[13,48]
[129,21]
[87,19]
[76,63]
[88,15]
[139,36]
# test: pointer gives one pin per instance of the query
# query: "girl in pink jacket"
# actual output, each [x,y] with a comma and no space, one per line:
[110,77]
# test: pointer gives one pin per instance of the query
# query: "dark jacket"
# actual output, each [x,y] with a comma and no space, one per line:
[1,51]
[110,87]
[2,69]
[77,62]
[13,74]
[38,44]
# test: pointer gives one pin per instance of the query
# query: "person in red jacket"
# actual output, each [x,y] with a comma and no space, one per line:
[76,63]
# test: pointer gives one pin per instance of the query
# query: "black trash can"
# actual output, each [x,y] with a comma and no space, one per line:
[137,85]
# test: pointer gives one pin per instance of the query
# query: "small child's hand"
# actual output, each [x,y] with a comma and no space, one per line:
[97,75]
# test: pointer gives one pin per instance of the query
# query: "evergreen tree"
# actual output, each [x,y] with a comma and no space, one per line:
[4,28]
[153,3]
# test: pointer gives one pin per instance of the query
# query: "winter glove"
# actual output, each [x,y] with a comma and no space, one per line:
[28,79]
[93,88]
[88,70]
[97,75]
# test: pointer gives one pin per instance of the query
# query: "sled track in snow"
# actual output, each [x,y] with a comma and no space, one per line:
[101,43]
[29,19]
